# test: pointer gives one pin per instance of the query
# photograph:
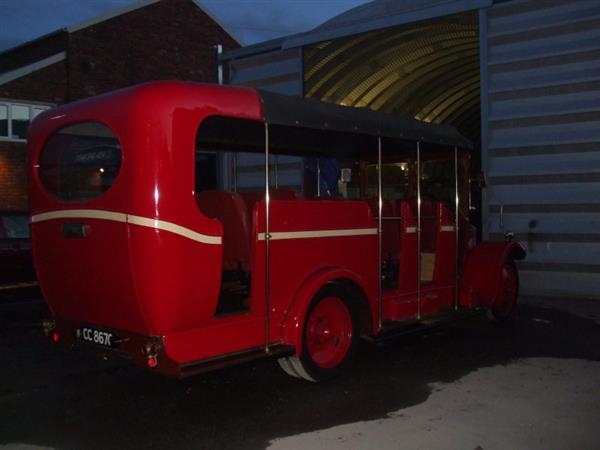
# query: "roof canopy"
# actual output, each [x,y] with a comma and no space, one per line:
[313,114]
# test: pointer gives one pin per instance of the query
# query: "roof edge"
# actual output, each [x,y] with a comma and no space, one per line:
[19,72]
[413,16]
[218,21]
[109,15]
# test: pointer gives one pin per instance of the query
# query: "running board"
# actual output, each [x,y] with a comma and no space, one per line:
[392,330]
[231,359]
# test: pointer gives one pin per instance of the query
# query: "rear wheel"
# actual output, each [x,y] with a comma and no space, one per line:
[329,336]
[506,300]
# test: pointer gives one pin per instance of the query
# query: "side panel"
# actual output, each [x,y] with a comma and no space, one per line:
[541,139]
[481,278]
[299,248]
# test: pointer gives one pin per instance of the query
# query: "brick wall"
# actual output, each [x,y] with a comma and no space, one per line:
[13,176]
[171,39]
[44,85]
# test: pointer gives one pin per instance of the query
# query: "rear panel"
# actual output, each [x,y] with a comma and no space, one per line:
[88,278]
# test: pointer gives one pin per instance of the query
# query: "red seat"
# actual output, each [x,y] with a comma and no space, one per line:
[428,226]
[286,194]
[230,209]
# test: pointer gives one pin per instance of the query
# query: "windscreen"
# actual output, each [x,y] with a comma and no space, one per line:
[80,162]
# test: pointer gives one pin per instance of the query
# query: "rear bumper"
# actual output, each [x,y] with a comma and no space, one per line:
[146,351]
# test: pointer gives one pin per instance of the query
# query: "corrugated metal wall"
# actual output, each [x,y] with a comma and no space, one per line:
[277,71]
[541,139]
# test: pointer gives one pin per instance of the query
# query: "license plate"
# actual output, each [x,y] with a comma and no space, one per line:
[98,337]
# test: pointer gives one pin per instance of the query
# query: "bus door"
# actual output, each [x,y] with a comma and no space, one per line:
[437,201]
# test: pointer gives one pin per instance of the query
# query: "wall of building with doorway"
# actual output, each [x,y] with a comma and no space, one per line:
[149,40]
[521,78]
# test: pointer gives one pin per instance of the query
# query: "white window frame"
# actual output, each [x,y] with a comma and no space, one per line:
[9,104]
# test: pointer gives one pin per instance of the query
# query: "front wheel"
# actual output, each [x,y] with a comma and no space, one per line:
[329,336]
[503,306]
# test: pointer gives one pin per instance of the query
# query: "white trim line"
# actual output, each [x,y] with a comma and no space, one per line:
[80,214]
[447,228]
[411,229]
[12,75]
[128,218]
[283,235]
[173,228]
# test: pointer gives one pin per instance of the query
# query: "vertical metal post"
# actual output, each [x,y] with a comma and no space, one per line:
[267,242]
[418,230]
[456,227]
[219,52]
[234,172]
[276,171]
[379,234]
[318,177]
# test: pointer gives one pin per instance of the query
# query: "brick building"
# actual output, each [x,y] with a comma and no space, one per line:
[149,40]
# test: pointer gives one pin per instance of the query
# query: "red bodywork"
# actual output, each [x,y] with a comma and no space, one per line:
[158,288]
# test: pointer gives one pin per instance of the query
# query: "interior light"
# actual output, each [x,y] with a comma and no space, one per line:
[101,169]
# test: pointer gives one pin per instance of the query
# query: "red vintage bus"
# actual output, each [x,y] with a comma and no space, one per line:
[194,226]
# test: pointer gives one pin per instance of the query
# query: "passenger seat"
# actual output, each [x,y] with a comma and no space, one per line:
[230,209]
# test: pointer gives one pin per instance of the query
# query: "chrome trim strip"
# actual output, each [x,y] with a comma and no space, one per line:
[447,228]
[128,218]
[285,235]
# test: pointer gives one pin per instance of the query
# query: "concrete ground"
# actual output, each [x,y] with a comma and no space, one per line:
[472,385]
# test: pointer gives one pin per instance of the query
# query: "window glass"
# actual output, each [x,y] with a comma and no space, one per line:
[394,180]
[4,120]
[14,226]
[80,162]
[437,181]
[20,121]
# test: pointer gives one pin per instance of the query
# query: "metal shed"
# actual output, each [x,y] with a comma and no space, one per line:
[521,78]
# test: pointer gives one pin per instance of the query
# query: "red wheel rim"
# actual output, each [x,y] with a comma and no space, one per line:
[329,332]
[508,291]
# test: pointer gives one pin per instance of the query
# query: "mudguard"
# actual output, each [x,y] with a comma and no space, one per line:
[293,322]
[480,282]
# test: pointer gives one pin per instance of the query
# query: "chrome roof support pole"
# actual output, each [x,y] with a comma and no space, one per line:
[456,228]
[418,230]
[379,236]
[318,177]
[234,172]
[267,245]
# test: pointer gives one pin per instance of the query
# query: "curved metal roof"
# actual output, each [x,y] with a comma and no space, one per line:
[428,70]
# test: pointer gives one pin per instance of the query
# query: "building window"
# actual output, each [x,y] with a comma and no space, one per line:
[15,119]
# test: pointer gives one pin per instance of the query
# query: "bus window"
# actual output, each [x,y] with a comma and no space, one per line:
[438,196]
[80,162]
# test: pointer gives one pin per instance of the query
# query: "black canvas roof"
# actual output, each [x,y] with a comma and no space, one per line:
[314,114]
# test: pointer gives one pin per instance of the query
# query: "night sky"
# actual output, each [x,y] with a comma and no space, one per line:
[250,20]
